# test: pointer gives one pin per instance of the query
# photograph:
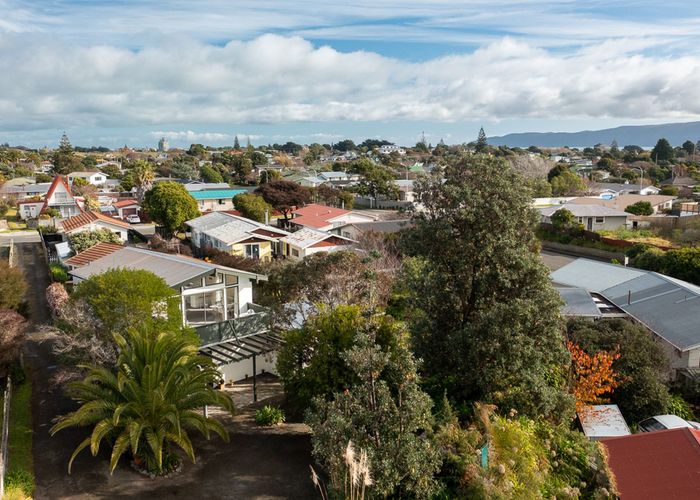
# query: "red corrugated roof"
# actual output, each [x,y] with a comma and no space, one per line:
[80,220]
[657,465]
[316,215]
[93,253]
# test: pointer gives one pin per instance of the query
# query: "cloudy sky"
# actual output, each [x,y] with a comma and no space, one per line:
[129,71]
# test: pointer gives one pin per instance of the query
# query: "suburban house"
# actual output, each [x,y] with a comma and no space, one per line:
[339,178]
[355,230]
[215,200]
[217,301]
[127,207]
[91,221]
[668,307]
[593,217]
[94,178]
[658,202]
[204,186]
[235,235]
[406,190]
[656,465]
[325,218]
[611,190]
[308,241]
[24,190]
[58,196]
[680,182]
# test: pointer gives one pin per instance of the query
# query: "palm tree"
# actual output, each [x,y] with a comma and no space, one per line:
[150,403]
[143,175]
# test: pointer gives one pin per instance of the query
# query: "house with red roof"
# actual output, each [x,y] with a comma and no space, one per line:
[127,207]
[656,465]
[92,221]
[325,218]
[58,197]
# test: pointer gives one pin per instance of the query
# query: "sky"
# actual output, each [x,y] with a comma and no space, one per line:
[131,71]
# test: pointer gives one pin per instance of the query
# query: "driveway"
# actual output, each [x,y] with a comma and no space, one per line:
[256,463]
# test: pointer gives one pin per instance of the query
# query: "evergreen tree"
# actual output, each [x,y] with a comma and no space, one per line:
[236,144]
[64,159]
[663,151]
[481,142]
[485,319]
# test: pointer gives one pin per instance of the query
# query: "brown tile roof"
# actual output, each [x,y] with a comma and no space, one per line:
[657,465]
[125,203]
[93,253]
[80,220]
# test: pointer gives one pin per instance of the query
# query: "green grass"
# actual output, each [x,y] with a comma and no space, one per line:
[19,481]
[14,223]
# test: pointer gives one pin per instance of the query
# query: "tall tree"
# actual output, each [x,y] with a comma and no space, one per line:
[170,205]
[382,414]
[663,151]
[12,286]
[236,144]
[284,196]
[64,159]
[482,144]
[143,175]
[485,318]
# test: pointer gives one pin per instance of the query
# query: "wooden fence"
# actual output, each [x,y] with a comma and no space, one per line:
[5,435]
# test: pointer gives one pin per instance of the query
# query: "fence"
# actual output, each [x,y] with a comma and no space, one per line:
[5,434]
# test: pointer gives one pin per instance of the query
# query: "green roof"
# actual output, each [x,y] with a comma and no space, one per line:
[216,194]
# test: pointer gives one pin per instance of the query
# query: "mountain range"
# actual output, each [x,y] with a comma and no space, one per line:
[640,135]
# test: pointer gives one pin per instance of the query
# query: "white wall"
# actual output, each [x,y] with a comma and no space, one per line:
[239,370]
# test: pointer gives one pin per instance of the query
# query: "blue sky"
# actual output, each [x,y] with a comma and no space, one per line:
[116,72]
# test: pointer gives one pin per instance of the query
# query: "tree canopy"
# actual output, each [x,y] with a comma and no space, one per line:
[484,316]
[170,205]
[663,151]
[85,239]
[12,286]
[284,196]
[640,208]
[252,206]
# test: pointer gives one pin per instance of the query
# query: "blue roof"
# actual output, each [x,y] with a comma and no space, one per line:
[216,194]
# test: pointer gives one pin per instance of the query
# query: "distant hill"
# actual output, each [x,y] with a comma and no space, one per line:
[640,135]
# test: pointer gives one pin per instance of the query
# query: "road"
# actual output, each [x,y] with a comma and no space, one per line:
[19,237]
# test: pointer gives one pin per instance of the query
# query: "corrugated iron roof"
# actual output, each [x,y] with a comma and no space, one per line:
[82,219]
[578,302]
[93,253]
[657,465]
[584,210]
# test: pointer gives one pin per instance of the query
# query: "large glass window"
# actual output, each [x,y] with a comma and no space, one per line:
[252,251]
[232,302]
[202,308]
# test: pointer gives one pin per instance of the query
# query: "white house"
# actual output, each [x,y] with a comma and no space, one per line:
[92,221]
[593,217]
[658,202]
[325,218]
[308,241]
[391,148]
[215,300]
[94,178]
[58,197]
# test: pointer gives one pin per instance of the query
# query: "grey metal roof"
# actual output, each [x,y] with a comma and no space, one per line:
[209,221]
[307,236]
[584,210]
[174,269]
[380,226]
[669,307]
[592,275]
[578,302]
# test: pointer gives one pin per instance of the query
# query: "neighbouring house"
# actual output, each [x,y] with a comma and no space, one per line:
[308,241]
[658,202]
[95,252]
[58,196]
[94,178]
[391,148]
[127,207]
[340,179]
[204,186]
[680,182]
[92,221]
[593,217]
[667,307]
[406,190]
[657,465]
[235,235]
[325,218]
[22,192]
[215,300]
[355,230]
[611,190]
[215,200]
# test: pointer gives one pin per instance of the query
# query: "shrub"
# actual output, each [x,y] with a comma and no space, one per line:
[12,286]
[269,416]
[680,407]
[58,273]
[640,208]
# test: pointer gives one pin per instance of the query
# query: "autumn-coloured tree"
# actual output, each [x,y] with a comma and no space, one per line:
[593,376]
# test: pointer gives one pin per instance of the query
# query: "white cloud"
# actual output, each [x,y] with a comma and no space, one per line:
[273,79]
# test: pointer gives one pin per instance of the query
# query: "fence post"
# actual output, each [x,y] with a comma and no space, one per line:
[5,433]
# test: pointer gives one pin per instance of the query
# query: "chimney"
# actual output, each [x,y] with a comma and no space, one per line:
[267,217]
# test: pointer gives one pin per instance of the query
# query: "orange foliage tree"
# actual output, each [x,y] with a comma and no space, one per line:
[593,376]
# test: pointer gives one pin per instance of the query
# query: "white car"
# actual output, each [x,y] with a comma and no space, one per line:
[663,422]
[133,219]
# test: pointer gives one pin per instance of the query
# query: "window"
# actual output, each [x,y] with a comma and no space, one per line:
[232,302]
[222,202]
[295,252]
[231,280]
[252,251]
[203,308]
[600,220]
[215,279]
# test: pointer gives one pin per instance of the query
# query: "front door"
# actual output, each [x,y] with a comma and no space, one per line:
[590,223]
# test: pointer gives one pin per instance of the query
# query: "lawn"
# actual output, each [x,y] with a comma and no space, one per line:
[13,221]
[19,479]
[647,236]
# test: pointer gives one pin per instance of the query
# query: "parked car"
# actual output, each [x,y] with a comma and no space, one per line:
[133,219]
[663,422]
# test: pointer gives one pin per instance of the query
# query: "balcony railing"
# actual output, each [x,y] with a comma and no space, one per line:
[253,323]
